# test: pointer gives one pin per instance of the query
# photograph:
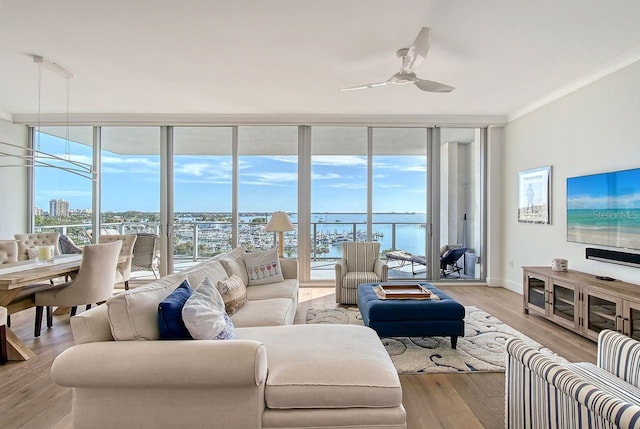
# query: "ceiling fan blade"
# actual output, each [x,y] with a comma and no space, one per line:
[418,50]
[431,86]
[368,85]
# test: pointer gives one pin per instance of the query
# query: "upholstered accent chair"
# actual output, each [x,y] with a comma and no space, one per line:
[3,335]
[8,251]
[93,283]
[146,253]
[30,241]
[360,263]
[123,272]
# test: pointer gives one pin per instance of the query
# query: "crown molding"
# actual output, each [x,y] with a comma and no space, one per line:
[576,84]
[106,119]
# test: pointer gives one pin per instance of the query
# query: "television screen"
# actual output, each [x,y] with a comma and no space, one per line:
[605,209]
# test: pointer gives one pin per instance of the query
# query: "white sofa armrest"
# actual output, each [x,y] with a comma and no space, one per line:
[162,364]
[381,269]
[289,268]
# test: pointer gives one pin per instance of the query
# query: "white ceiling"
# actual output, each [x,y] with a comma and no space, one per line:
[290,57]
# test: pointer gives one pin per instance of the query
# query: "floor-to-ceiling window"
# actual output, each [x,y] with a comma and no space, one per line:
[399,197]
[62,190]
[338,194]
[460,202]
[267,182]
[202,168]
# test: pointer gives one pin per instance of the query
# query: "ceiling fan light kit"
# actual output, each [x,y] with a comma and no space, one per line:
[411,57]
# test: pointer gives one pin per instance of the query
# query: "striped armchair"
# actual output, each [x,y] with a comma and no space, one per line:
[543,392]
[360,263]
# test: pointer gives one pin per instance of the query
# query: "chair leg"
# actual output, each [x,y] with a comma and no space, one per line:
[49,317]
[38,327]
[8,320]
[3,345]
[73,311]
[126,285]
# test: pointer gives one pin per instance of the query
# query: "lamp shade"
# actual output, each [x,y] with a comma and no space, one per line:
[279,222]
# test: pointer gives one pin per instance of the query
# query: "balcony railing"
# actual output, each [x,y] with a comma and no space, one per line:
[197,240]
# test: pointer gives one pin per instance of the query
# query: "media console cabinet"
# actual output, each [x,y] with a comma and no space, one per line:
[581,302]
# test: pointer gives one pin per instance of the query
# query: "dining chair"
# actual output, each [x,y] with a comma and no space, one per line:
[28,242]
[3,335]
[8,251]
[93,283]
[123,272]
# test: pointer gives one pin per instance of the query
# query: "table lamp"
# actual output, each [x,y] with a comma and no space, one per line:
[279,223]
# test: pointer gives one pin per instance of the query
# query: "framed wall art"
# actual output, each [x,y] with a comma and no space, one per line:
[534,195]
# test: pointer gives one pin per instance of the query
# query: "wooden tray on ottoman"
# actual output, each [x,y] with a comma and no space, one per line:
[404,291]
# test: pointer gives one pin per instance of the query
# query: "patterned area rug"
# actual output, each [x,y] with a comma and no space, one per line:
[482,349]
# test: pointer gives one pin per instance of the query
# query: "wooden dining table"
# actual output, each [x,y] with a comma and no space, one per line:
[14,277]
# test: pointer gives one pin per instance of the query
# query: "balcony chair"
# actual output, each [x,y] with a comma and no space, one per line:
[360,263]
[146,253]
[68,247]
[27,243]
[93,283]
[123,272]
[449,261]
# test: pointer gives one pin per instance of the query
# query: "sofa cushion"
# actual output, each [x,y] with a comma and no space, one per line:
[266,312]
[234,293]
[204,315]
[263,267]
[208,269]
[288,288]
[170,321]
[233,263]
[354,371]
[133,314]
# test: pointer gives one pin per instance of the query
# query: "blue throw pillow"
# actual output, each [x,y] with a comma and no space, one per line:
[170,321]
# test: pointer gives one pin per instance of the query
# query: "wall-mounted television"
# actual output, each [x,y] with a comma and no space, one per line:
[604,209]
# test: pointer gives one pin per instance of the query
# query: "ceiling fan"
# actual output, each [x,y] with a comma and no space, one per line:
[411,58]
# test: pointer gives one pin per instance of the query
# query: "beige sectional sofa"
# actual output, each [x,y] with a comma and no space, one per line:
[274,375]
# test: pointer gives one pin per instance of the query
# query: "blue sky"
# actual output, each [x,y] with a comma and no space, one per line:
[203,183]
[608,190]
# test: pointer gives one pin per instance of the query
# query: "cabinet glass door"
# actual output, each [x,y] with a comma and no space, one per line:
[632,319]
[602,313]
[536,293]
[564,307]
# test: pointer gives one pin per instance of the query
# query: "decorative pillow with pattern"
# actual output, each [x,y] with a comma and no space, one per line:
[204,314]
[263,267]
[234,293]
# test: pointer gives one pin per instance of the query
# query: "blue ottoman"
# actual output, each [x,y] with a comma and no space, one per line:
[412,317]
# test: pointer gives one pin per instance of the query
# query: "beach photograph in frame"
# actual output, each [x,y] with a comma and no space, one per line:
[604,209]
[534,202]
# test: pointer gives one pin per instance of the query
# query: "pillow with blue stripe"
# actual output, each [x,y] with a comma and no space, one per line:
[170,321]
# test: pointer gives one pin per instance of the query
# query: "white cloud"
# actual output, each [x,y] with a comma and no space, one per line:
[339,161]
[603,202]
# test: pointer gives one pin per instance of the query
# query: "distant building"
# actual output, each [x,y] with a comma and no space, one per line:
[59,208]
[38,211]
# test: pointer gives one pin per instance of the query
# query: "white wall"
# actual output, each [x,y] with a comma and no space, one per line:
[593,130]
[13,182]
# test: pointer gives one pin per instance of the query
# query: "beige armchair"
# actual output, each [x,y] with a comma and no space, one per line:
[360,263]
[93,283]
[123,272]
[30,241]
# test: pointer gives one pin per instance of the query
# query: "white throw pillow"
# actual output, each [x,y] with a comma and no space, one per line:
[263,267]
[233,263]
[204,315]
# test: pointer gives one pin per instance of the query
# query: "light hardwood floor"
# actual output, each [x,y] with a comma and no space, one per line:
[30,399]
